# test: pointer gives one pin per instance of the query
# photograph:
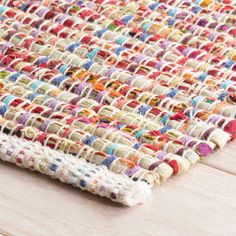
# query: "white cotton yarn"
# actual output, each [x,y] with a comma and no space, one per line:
[77,172]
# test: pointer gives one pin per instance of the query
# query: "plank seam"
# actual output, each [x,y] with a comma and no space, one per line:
[218,168]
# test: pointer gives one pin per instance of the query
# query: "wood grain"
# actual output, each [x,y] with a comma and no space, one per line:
[4,233]
[201,202]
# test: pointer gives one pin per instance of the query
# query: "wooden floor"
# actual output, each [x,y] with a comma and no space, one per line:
[200,202]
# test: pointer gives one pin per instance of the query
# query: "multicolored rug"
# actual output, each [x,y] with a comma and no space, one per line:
[115,97]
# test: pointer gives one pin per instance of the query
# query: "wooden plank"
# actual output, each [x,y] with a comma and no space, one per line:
[224,160]
[201,202]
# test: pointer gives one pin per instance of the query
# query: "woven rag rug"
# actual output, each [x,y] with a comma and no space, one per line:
[112,96]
